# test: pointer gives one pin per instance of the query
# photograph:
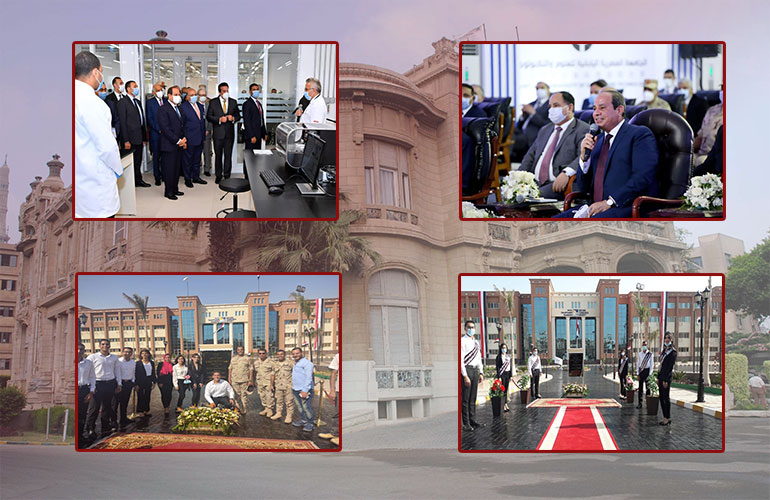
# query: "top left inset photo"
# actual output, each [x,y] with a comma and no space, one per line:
[166,130]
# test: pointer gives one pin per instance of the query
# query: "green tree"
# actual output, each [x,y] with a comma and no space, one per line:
[12,401]
[141,305]
[305,310]
[748,282]
[508,300]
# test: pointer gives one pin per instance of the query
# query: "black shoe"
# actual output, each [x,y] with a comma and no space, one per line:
[199,181]
[227,176]
[188,184]
[157,182]
[171,197]
[218,180]
[467,428]
[179,193]
[477,425]
[207,174]
[664,423]
[141,183]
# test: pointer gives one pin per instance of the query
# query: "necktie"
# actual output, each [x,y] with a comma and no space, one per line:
[177,112]
[139,109]
[601,169]
[224,106]
[545,165]
[197,112]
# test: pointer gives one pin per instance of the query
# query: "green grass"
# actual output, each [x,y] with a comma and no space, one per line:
[38,437]
[693,387]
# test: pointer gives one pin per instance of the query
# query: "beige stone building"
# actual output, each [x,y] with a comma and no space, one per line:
[9,286]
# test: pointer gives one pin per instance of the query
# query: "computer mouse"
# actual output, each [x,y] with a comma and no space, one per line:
[275,190]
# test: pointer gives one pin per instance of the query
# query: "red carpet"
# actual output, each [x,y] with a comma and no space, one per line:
[577,429]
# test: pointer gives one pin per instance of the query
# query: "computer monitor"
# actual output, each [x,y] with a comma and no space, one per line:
[311,164]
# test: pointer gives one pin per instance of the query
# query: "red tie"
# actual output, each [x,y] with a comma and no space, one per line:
[601,169]
[545,166]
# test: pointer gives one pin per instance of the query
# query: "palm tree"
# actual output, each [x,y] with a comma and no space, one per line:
[508,299]
[643,315]
[141,305]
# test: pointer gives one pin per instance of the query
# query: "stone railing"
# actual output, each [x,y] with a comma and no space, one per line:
[415,377]
[391,213]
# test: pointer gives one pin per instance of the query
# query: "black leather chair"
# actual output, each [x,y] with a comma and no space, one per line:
[711,96]
[586,115]
[632,111]
[675,159]
[479,152]
[676,101]
[235,185]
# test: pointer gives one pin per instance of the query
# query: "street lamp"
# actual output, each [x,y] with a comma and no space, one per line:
[83,320]
[701,299]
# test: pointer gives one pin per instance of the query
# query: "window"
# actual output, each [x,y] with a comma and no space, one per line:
[684,349]
[526,325]
[5,364]
[653,305]
[258,320]
[684,305]
[622,324]
[386,174]
[684,335]
[671,305]
[188,329]
[394,318]
[272,328]
[493,305]
[561,337]
[208,333]
[120,231]
[5,337]
[8,260]
[6,311]
[541,323]
[9,285]
[609,326]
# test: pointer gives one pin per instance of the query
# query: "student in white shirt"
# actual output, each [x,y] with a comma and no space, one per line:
[533,367]
[644,361]
[126,373]
[316,109]
[471,373]
[97,160]
[107,386]
[181,380]
[219,392]
[86,388]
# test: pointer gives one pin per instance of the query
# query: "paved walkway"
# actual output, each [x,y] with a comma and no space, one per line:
[685,397]
[631,428]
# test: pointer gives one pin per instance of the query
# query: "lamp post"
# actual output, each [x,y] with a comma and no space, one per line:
[701,298]
[83,320]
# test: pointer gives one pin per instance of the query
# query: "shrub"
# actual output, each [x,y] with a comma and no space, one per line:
[4,381]
[737,375]
[12,401]
[766,368]
[40,416]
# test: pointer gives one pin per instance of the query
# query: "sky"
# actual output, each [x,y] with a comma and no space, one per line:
[37,68]
[652,283]
[106,291]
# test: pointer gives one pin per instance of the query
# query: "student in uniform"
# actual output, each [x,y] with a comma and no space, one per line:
[145,381]
[197,375]
[504,365]
[533,367]
[665,375]
[164,376]
[181,381]
[470,374]
[623,373]
[644,363]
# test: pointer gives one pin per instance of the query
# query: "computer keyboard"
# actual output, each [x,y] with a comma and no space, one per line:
[270,178]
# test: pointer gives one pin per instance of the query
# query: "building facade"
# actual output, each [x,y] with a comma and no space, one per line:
[9,291]
[601,321]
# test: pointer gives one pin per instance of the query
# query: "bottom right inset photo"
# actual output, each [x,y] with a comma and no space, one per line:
[591,363]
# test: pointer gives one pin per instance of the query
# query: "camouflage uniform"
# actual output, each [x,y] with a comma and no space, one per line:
[263,370]
[283,394]
[239,367]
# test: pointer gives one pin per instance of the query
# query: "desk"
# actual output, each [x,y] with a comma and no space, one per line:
[126,186]
[290,204]
[533,211]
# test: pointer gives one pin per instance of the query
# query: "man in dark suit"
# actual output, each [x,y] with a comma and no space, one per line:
[204,100]
[533,116]
[695,107]
[622,164]
[253,120]
[223,114]
[553,158]
[469,107]
[152,106]
[172,142]
[112,101]
[714,162]
[623,372]
[132,131]
[195,131]
[594,89]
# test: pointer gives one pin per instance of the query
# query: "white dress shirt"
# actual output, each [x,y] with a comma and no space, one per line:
[315,112]
[214,390]
[105,367]
[470,354]
[86,375]
[179,372]
[97,160]
[533,363]
[569,171]
[147,368]
[126,369]
[643,362]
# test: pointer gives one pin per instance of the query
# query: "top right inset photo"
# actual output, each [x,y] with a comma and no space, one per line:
[596,130]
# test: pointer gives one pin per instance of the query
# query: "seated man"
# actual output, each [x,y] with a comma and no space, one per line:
[650,96]
[469,99]
[553,158]
[714,160]
[695,107]
[219,392]
[707,134]
[622,163]
[533,116]
[595,88]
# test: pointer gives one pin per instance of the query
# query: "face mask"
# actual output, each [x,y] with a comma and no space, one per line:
[668,82]
[255,94]
[470,332]
[103,95]
[684,92]
[202,98]
[534,353]
[622,354]
[226,95]
[466,103]
[591,99]
[667,344]
[194,99]
[135,92]
[307,96]
[101,81]
[121,88]
[648,96]
[542,94]
[556,115]
[504,350]
[721,96]
[176,99]
[159,94]
[644,348]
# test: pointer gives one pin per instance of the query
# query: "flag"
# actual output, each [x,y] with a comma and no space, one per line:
[220,325]
[662,324]
[483,324]
[479,33]
[318,322]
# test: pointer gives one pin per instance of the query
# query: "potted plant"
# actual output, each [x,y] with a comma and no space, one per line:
[524,388]
[629,390]
[497,395]
[574,390]
[653,398]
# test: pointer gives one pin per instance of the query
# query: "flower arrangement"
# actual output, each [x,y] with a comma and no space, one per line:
[575,389]
[629,383]
[471,212]
[704,193]
[497,390]
[524,382]
[652,383]
[207,419]
[518,183]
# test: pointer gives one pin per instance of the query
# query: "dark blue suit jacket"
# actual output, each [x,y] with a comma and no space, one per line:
[475,112]
[195,129]
[151,112]
[631,166]
[171,128]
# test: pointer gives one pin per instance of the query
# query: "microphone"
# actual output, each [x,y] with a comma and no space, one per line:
[594,131]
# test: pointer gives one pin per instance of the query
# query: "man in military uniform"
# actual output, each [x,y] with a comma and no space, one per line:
[281,384]
[240,373]
[263,370]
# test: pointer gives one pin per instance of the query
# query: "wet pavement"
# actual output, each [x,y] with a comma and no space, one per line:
[523,428]
[252,424]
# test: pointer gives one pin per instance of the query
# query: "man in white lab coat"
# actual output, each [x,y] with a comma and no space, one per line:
[315,112]
[97,160]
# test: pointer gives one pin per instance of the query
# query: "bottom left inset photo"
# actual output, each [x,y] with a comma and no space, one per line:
[202,362]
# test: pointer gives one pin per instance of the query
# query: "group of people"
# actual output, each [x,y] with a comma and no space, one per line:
[555,146]
[181,125]
[106,382]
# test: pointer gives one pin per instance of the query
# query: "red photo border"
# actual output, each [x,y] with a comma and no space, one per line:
[152,450]
[610,275]
[223,42]
[644,219]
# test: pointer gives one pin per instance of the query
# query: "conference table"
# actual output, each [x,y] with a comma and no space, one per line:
[290,204]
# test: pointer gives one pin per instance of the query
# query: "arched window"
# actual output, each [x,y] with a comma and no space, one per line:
[394,323]
[386,172]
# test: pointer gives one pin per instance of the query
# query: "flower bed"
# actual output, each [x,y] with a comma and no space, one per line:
[574,390]
[206,420]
